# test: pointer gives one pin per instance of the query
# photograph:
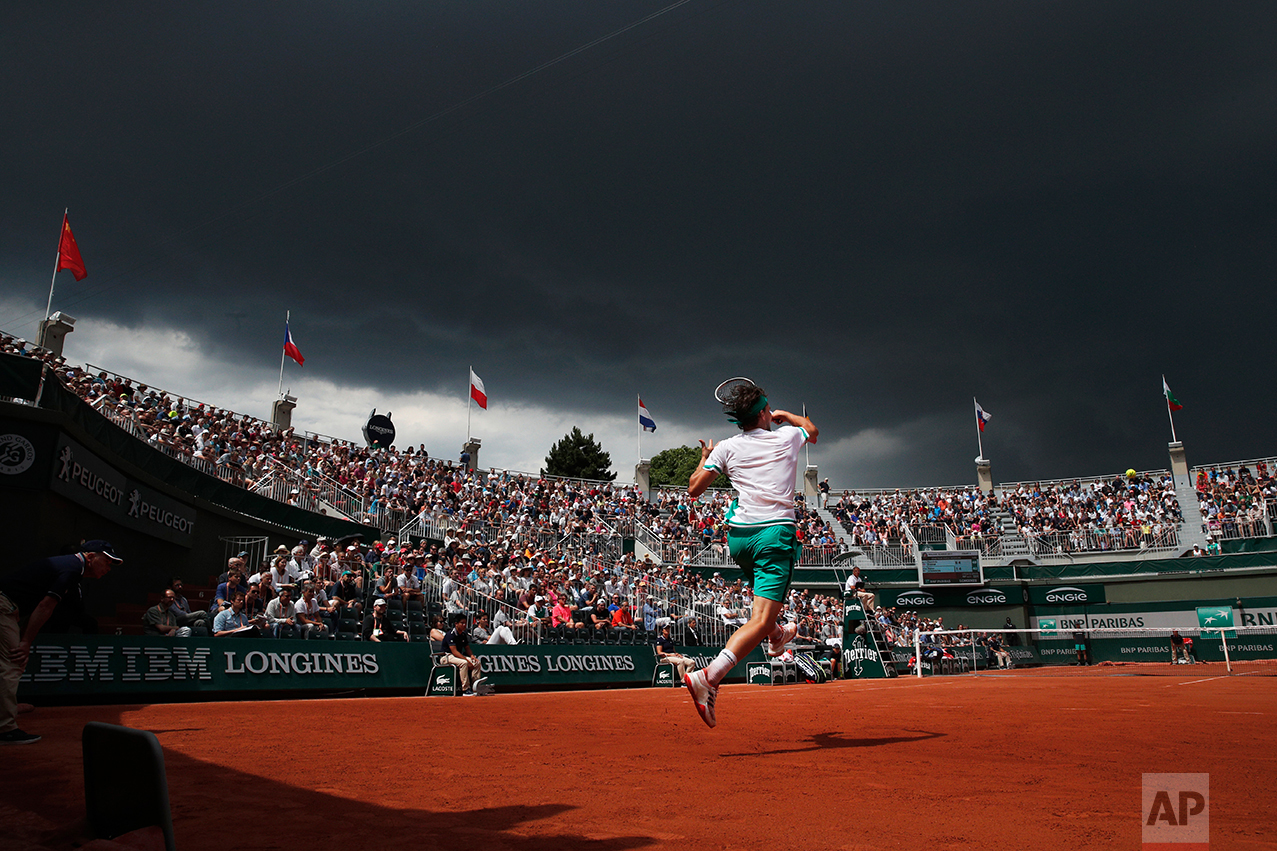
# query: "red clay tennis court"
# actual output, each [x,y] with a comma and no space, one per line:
[991,762]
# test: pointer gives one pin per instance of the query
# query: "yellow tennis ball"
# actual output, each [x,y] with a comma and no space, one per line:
[1130,474]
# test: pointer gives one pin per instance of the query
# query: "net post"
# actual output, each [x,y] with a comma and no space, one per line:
[1223,640]
[975,668]
[917,652]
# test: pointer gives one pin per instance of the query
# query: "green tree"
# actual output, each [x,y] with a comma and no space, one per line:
[673,467]
[577,456]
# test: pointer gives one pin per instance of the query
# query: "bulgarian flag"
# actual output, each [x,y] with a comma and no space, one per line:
[477,392]
[1170,397]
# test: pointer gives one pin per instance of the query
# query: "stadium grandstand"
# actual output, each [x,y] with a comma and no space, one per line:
[571,562]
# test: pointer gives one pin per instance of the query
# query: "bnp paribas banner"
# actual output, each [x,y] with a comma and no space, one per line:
[1176,614]
[92,665]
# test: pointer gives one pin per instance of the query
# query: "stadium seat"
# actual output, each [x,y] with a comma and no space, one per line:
[125,784]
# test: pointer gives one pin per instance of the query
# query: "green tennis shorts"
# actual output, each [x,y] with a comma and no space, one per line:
[767,555]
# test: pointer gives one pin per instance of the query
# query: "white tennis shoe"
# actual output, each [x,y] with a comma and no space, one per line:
[703,695]
[777,648]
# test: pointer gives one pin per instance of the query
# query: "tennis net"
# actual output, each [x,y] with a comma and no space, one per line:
[1243,651]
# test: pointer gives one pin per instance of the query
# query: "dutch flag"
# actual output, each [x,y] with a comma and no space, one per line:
[645,419]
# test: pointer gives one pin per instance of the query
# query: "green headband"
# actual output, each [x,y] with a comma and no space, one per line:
[751,413]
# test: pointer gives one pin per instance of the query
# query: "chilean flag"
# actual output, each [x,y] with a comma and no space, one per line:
[476,390]
[645,419]
[290,348]
[981,416]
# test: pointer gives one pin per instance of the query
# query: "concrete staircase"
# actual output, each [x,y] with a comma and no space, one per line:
[1190,532]
[1013,543]
[860,559]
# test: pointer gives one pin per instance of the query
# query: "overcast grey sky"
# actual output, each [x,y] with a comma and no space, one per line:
[877,210]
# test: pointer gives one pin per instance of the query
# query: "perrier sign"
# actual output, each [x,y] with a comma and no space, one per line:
[860,657]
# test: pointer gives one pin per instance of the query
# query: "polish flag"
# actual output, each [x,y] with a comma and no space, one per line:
[477,392]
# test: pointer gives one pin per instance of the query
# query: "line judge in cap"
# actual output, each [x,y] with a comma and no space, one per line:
[31,593]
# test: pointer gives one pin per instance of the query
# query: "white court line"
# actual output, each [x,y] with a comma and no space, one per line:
[1191,682]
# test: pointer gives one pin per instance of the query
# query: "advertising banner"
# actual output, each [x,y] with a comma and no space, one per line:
[25,452]
[1216,616]
[1066,595]
[90,666]
[860,657]
[918,599]
[84,478]
[126,664]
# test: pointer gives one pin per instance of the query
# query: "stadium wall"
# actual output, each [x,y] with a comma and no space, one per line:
[72,475]
[89,669]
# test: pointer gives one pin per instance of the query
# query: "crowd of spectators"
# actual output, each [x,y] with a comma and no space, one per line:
[695,530]
[1131,511]
[582,521]
[879,520]
[1234,501]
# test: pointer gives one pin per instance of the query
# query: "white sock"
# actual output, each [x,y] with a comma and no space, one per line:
[720,667]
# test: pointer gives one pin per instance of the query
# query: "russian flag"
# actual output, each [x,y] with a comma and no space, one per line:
[290,348]
[477,392]
[645,419]
[981,416]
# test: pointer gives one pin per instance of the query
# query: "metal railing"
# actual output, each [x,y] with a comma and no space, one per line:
[1256,522]
[890,555]
[195,404]
[1084,482]
[1163,536]
[225,472]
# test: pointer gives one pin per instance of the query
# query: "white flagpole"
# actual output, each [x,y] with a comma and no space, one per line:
[288,314]
[1169,413]
[57,260]
[469,394]
[979,435]
[637,414]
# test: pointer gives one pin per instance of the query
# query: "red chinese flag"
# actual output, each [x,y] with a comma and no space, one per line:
[69,253]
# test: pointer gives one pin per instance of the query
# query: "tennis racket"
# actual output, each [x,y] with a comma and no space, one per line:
[723,392]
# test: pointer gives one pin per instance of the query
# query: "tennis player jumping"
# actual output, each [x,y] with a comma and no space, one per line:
[761,526]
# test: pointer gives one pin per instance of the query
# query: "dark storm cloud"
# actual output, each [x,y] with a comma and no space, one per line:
[879,209]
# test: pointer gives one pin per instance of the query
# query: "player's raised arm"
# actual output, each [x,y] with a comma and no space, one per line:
[786,418]
[701,478]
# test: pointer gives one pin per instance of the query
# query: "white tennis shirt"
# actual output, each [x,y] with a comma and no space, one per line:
[763,467]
